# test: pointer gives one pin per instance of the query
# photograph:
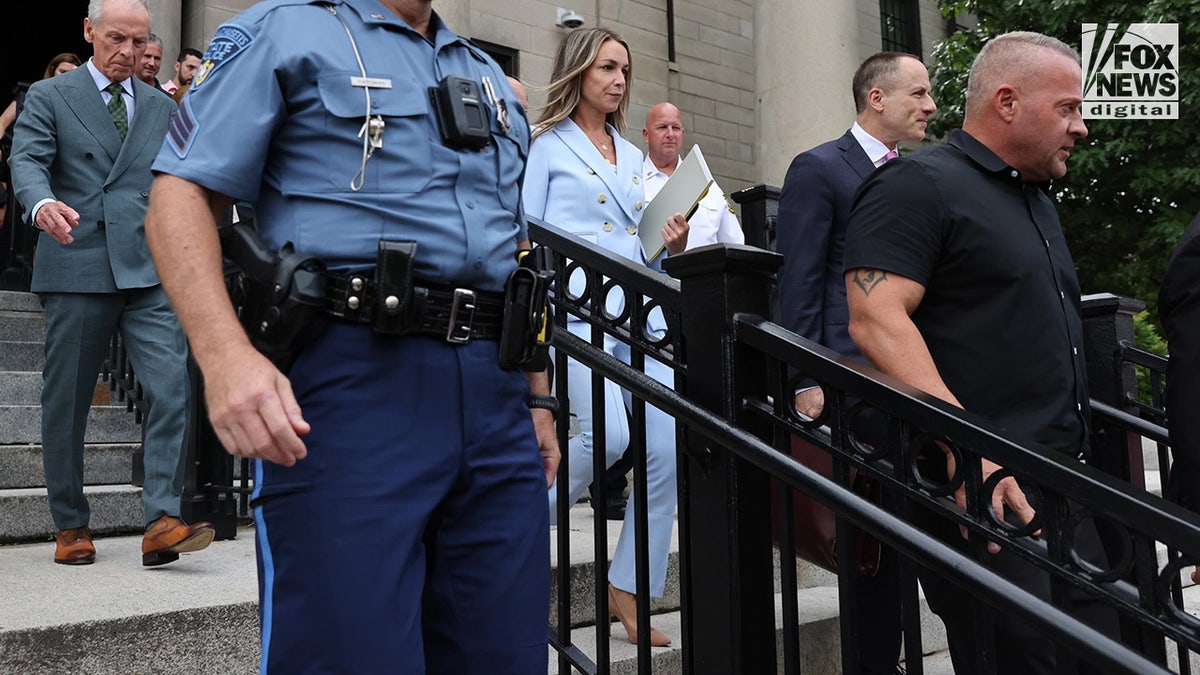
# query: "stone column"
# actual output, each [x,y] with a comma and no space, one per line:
[456,14]
[806,54]
[166,21]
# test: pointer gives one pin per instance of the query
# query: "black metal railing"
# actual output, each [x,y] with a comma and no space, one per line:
[613,297]
[729,403]
[17,244]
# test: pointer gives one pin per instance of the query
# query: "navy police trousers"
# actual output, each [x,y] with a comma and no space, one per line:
[414,537]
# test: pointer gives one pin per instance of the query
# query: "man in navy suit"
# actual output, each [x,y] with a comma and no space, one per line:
[893,104]
[81,167]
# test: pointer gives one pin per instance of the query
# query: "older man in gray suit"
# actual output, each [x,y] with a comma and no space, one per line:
[80,163]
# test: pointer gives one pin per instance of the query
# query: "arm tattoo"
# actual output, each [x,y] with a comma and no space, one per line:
[867,280]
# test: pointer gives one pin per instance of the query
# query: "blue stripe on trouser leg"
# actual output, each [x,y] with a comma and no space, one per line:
[413,538]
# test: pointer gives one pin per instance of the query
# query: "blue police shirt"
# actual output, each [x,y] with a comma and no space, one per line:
[273,118]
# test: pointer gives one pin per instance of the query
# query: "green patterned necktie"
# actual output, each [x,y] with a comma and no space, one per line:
[116,108]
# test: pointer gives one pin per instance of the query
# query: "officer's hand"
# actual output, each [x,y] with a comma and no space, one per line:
[57,220]
[675,234]
[253,409]
[547,436]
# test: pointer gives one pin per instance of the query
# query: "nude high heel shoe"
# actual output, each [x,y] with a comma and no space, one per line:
[623,605]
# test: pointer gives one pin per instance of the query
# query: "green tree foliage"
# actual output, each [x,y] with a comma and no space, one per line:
[1131,185]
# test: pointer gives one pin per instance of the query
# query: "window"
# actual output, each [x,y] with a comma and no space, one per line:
[506,57]
[900,25]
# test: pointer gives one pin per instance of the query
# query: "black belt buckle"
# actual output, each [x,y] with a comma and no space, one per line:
[462,315]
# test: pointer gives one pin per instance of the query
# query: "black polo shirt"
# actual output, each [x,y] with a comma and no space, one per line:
[1000,313]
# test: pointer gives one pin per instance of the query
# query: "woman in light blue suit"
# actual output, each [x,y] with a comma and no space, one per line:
[582,176]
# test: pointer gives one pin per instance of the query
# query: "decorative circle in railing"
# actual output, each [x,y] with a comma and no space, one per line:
[612,290]
[577,289]
[1033,495]
[652,335]
[1168,580]
[798,417]
[936,447]
[864,419]
[1119,533]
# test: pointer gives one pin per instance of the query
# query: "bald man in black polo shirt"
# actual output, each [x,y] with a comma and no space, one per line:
[960,283]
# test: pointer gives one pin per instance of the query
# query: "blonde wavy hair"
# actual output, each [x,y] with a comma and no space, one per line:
[576,53]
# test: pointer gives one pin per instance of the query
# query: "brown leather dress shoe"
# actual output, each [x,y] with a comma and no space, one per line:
[169,536]
[74,547]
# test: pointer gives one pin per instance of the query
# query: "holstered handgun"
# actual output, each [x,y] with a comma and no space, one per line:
[279,294]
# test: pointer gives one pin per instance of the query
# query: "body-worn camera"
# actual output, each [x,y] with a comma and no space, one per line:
[462,114]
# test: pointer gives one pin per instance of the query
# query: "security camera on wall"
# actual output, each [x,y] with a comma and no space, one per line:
[568,18]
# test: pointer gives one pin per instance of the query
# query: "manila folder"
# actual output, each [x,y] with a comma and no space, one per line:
[680,194]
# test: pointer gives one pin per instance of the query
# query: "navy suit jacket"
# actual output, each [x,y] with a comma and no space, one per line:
[814,212]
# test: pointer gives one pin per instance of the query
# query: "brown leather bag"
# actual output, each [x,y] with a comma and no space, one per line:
[816,525]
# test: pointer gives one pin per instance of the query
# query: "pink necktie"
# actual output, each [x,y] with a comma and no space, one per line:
[892,154]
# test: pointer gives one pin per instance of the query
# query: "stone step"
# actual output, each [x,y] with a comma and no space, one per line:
[19,387]
[20,301]
[203,610]
[21,326]
[103,464]
[196,615]
[22,424]
[820,646]
[25,514]
[583,569]
[25,355]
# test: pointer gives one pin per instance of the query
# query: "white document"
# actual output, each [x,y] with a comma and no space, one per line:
[680,194]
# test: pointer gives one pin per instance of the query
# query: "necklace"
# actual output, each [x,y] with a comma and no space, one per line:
[599,144]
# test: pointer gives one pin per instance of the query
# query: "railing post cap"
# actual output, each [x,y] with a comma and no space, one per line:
[722,259]
[754,192]
[1099,304]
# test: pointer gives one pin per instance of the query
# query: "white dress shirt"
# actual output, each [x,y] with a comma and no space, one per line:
[875,149]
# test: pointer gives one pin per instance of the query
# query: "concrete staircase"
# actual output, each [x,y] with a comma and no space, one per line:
[112,437]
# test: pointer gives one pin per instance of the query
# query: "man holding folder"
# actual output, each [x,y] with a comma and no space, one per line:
[713,220]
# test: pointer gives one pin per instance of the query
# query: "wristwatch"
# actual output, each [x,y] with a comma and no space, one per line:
[545,402]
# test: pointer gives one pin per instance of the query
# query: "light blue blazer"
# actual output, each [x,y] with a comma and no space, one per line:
[569,184]
[65,147]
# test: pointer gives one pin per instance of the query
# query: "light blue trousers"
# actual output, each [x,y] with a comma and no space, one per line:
[660,461]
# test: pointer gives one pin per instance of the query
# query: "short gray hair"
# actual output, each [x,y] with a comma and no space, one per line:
[1007,56]
[96,8]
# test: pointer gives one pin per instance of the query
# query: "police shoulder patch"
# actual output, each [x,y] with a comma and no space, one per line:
[229,41]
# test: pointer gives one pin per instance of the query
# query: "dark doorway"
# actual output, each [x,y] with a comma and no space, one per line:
[43,29]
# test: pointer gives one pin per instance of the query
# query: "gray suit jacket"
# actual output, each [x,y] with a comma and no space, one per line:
[65,147]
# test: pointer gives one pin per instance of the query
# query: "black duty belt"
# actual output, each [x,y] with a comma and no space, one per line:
[456,315]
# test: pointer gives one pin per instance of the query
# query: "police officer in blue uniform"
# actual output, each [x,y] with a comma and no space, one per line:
[400,487]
